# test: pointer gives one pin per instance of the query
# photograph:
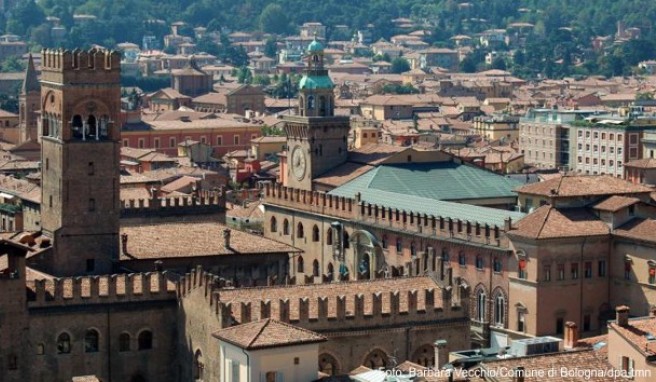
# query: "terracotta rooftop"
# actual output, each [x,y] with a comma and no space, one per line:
[192,238]
[642,163]
[583,360]
[582,185]
[615,203]
[342,174]
[331,291]
[636,333]
[640,229]
[253,211]
[548,222]
[268,333]
[374,154]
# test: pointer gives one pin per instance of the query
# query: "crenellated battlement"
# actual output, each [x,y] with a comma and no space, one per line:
[357,304]
[204,203]
[80,60]
[107,289]
[357,210]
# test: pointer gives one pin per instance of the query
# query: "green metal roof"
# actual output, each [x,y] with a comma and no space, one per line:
[316,82]
[426,188]
[439,181]
[315,46]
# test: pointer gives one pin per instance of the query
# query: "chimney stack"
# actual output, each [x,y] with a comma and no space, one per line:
[571,335]
[226,237]
[519,374]
[622,315]
[441,353]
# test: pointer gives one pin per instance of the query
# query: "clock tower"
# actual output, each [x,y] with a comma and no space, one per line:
[316,138]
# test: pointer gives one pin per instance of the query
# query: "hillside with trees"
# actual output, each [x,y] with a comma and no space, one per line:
[563,29]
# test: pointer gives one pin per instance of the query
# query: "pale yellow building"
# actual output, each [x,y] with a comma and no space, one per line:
[267,350]
[497,127]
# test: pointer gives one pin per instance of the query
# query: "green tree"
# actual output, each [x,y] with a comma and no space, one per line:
[400,65]
[498,63]
[273,19]
[271,48]
[12,64]
[25,15]
[244,75]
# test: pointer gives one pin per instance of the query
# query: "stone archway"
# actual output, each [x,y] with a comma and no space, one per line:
[368,255]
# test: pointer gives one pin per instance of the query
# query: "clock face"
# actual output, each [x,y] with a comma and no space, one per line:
[298,162]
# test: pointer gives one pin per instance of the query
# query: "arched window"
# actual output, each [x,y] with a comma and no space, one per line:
[331,270]
[329,236]
[347,244]
[92,126]
[299,230]
[299,264]
[384,241]
[145,340]
[76,126]
[399,246]
[91,340]
[462,259]
[124,342]
[328,364]
[285,227]
[315,268]
[199,367]
[64,343]
[376,359]
[274,224]
[310,102]
[481,300]
[499,310]
[40,349]
[413,249]
[315,233]
[322,106]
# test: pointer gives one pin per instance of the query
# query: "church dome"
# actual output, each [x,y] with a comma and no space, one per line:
[315,46]
[316,82]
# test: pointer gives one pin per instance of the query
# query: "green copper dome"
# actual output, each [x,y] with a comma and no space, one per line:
[316,82]
[315,46]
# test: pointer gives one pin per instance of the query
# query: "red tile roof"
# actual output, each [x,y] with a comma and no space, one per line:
[548,222]
[267,333]
[640,229]
[636,333]
[582,185]
[615,203]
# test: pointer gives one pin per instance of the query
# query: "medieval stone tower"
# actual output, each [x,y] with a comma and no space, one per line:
[28,104]
[80,134]
[316,138]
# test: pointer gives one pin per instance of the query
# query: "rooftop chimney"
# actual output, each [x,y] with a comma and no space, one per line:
[226,237]
[622,315]
[571,335]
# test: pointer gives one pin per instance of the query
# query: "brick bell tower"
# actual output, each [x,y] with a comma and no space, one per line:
[80,134]
[317,140]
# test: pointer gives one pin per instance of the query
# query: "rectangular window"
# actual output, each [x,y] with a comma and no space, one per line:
[203,139]
[652,274]
[547,272]
[235,140]
[219,141]
[627,270]
[575,271]
[91,265]
[588,270]
[156,141]
[601,268]
[560,325]
[254,136]
[172,142]
[561,271]
[126,143]
[92,205]
[141,143]
[90,169]
[521,322]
